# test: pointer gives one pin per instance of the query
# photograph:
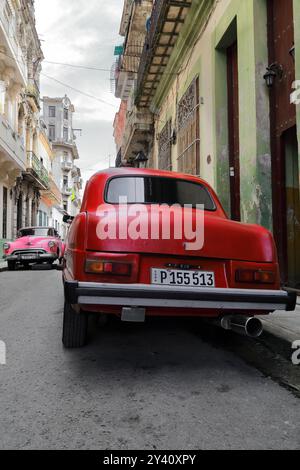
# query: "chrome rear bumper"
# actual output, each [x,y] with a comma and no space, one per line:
[144,295]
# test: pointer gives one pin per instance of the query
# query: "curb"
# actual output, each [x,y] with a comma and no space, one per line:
[278,344]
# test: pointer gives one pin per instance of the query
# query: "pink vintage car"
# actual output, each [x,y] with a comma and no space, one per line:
[34,245]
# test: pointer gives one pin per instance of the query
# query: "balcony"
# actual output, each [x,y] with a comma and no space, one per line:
[167,20]
[36,172]
[67,166]
[138,133]
[8,38]
[66,190]
[12,149]
[32,92]
[78,181]
[67,144]
[133,27]
[53,194]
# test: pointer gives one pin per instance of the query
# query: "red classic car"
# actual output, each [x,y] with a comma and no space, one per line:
[34,245]
[155,243]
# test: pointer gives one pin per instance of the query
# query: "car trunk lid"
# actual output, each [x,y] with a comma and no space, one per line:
[223,239]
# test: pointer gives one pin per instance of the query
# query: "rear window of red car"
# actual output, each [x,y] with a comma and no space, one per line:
[158,190]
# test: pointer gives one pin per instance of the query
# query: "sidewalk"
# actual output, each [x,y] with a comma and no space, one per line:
[3,265]
[284,325]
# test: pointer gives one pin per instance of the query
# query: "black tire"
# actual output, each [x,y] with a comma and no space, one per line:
[11,265]
[75,328]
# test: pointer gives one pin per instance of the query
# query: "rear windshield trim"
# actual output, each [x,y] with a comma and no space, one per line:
[157,177]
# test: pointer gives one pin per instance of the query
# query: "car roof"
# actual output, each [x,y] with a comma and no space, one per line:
[36,228]
[126,171]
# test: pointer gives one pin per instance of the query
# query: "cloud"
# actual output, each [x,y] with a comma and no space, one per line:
[83,33]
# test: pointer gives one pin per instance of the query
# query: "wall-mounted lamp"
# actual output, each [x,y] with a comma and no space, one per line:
[273,71]
[292,52]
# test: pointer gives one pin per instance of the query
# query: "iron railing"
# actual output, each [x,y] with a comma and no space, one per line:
[35,164]
[157,17]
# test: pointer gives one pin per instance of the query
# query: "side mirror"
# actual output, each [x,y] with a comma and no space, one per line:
[68,219]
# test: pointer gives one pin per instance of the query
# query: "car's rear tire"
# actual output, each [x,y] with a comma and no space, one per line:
[11,265]
[75,328]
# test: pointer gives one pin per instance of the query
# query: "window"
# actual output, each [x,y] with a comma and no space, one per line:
[36,232]
[52,111]
[189,131]
[66,113]
[4,222]
[164,148]
[52,135]
[156,190]
[40,218]
[66,133]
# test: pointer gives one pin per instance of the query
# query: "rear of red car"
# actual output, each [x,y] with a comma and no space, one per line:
[138,259]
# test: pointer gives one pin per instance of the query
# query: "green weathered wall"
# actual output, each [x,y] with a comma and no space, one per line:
[255,161]
[200,50]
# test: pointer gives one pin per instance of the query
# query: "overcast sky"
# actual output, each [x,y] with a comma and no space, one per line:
[83,32]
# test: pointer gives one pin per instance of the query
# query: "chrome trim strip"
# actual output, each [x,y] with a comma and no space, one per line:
[169,303]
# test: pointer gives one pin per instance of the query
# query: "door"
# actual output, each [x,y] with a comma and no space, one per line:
[233,130]
[290,145]
[4,213]
[284,144]
[20,212]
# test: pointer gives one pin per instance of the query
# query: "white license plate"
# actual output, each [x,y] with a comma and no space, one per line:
[172,277]
[29,257]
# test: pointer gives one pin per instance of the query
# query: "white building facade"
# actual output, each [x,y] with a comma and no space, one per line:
[58,117]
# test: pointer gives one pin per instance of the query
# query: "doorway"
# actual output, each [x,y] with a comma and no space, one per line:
[284,145]
[233,130]
[290,146]
[20,212]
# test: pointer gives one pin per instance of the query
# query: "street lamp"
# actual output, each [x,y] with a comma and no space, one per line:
[141,160]
[273,71]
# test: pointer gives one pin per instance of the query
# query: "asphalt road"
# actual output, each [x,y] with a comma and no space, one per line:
[154,386]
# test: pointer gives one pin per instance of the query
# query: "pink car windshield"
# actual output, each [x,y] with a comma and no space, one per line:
[36,232]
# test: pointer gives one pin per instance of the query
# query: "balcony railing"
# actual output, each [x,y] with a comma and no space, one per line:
[67,166]
[35,165]
[167,20]
[66,190]
[12,143]
[157,14]
[33,92]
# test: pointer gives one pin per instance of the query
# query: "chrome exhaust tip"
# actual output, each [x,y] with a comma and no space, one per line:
[246,326]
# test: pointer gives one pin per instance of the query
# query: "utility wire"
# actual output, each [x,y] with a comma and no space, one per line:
[63,84]
[77,66]
[78,91]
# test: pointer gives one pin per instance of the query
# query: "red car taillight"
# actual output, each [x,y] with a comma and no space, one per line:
[107,267]
[257,277]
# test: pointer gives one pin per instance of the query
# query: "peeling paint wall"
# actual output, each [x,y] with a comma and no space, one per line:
[207,59]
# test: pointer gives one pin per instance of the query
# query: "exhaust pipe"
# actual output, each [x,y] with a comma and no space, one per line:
[246,326]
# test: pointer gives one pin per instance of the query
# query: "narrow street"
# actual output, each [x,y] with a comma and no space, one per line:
[159,385]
